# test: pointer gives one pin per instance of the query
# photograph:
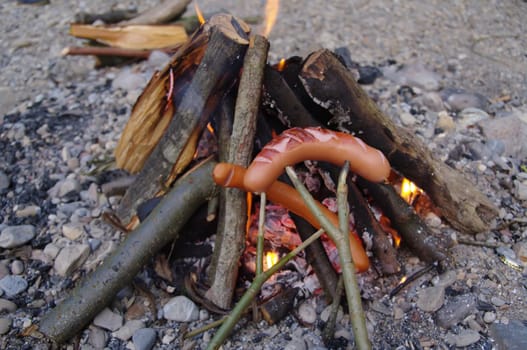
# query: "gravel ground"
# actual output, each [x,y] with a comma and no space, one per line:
[455,72]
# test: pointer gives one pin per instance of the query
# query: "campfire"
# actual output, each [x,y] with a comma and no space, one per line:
[219,122]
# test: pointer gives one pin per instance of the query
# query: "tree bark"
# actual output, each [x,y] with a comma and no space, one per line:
[230,241]
[332,86]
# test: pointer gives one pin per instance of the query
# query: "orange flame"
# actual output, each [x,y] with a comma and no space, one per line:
[210,128]
[409,191]
[281,65]
[271,258]
[271,12]
[199,14]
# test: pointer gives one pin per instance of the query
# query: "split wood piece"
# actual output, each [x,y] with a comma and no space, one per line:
[212,80]
[278,307]
[136,37]
[162,13]
[414,232]
[97,290]
[230,238]
[332,86]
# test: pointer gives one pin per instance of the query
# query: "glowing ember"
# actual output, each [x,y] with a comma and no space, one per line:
[281,65]
[271,12]
[199,14]
[403,279]
[409,191]
[271,258]
[210,128]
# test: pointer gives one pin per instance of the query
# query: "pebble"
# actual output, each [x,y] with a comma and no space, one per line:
[28,211]
[307,313]
[68,186]
[17,267]
[414,74]
[98,337]
[181,309]
[109,320]
[72,231]
[489,317]
[512,336]
[129,81]
[13,285]
[4,181]
[431,299]
[432,220]
[5,325]
[496,301]
[458,99]
[470,116]
[157,59]
[511,130]
[7,306]
[445,122]
[70,258]
[51,250]
[464,338]
[407,119]
[296,344]
[15,236]
[128,329]
[456,310]
[144,338]
[446,279]
[520,190]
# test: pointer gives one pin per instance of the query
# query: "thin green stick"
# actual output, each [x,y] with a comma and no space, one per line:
[260,241]
[252,292]
[348,272]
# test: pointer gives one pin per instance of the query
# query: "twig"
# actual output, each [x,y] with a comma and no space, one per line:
[478,244]
[252,292]
[260,241]
[342,243]
[412,278]
[329,329]
[358,321]
[161,227]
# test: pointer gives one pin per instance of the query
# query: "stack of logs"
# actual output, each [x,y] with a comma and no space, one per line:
[221,77]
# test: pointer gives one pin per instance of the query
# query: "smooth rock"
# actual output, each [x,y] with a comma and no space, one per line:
[407,119]
[109,320]
[445,122]
[307,313]
[72,231]
[431,299]
[458,99]
[51,250]
[13,285]
[144,339]
[470,116]
[68,186]
[464,338]
[17,267]
[15,236]
[157,59]
[456,310]
[511,130]
[4,181]
[8,99]
[128,329]
[98,337]
[520,249]
[181,309]
[28,211]
[512,336]
[7,306]
[413,74]
[497,301]
[5,325]
[489,317]
[520,190]
[446,279]
[70,258]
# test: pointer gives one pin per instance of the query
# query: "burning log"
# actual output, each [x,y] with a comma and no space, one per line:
[329,83]
[226,41]
[277,307]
